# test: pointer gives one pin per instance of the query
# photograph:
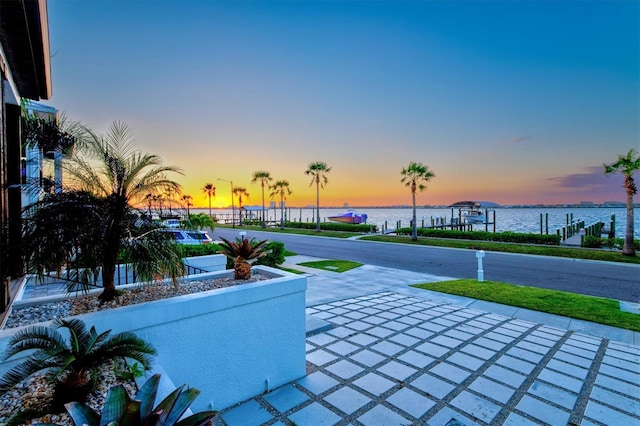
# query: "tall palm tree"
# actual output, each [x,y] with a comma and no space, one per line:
[413,176]
[281,188]
[627,165]
[109,176]
[186,199]
[264,178]
[239,191]
[318,171]
[210,191]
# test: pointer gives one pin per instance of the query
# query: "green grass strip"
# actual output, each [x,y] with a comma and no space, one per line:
[573,253]
[578,306]
[293,271]
[323,233]
[332,265]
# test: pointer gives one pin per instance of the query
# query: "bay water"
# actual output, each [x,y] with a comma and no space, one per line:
[525,220]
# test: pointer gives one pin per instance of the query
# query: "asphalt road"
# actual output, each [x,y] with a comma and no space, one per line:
[594,278]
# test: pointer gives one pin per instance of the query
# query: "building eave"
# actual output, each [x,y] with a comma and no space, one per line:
[24,35]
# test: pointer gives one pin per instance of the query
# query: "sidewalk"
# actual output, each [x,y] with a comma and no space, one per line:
[389,354]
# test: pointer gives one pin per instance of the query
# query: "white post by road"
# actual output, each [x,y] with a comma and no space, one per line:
[242,235]
[480,255]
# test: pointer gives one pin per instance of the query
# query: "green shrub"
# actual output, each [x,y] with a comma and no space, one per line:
[189,250]
[610,243]
[275,258]
[505,237]
[330,226]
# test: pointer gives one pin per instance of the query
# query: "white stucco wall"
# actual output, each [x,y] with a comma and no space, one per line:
[231,344]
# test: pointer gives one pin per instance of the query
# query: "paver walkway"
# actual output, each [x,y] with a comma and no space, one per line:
[396,359]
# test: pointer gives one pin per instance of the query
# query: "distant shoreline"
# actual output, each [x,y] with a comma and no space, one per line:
[509,206]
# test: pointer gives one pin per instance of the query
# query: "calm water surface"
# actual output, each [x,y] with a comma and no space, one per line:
[507,219]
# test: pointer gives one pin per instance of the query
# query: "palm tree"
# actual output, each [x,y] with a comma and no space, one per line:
[281,187]
[240,191]
[210,191]
[72,367]
[412,177]
[186,199]
[264,178]
[109,176]
[318,172]
[627,165]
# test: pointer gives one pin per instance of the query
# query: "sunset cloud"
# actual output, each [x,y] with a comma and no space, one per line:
[520,139]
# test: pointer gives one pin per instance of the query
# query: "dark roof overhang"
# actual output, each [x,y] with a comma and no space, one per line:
[24,34]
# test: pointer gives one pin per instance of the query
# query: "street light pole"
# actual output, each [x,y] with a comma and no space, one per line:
[233,209]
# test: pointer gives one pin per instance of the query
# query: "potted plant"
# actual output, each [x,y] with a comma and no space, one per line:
[243,252]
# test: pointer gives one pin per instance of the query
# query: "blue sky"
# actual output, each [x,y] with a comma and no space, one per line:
[513,102]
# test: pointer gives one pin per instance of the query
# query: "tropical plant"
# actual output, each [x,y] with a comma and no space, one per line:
[243,252]
[239,191]
[71,367]
[412,177]
[109,176]
[318,171]
[120,409]
[264,178]
[627,165]
[210,191]
[281,188]
[200,221]
[274,256]
[186,199]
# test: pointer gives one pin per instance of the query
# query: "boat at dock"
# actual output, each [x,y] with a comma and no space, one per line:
[470,211]
[351,217]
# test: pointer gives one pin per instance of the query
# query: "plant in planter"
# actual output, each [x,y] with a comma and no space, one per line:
[244,252]
[71,367]
[119,408]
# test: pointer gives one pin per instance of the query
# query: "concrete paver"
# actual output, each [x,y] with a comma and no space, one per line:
[398,355]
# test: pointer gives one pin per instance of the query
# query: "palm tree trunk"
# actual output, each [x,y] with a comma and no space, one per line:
[209,205]
[281,212]
[263,224]
[414,231]
[318,204]
[108,276]
[629,247]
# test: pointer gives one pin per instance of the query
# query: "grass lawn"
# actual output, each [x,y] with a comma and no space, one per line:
[574,253]
[293,271]
[588,308]
[332,265]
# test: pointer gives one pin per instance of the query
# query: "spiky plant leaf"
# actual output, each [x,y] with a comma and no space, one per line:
[185,399]
[115,405]
[199,419]
[81,414]
[147,395]
[166,405]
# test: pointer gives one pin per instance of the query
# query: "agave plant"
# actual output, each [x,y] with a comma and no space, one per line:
[71,368]
[243,252]
[120,409]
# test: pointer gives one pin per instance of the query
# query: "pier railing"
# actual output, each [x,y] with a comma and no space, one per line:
[578,230]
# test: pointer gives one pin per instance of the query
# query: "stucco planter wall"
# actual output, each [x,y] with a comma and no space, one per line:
[231,343]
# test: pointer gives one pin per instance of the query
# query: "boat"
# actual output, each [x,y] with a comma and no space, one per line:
[351,216]
[474,217]
[470,211]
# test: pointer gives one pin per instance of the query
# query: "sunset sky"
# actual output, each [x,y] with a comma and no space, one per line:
[513,102]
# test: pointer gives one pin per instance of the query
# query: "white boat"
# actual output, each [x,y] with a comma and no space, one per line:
[470,211]
[474,217]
